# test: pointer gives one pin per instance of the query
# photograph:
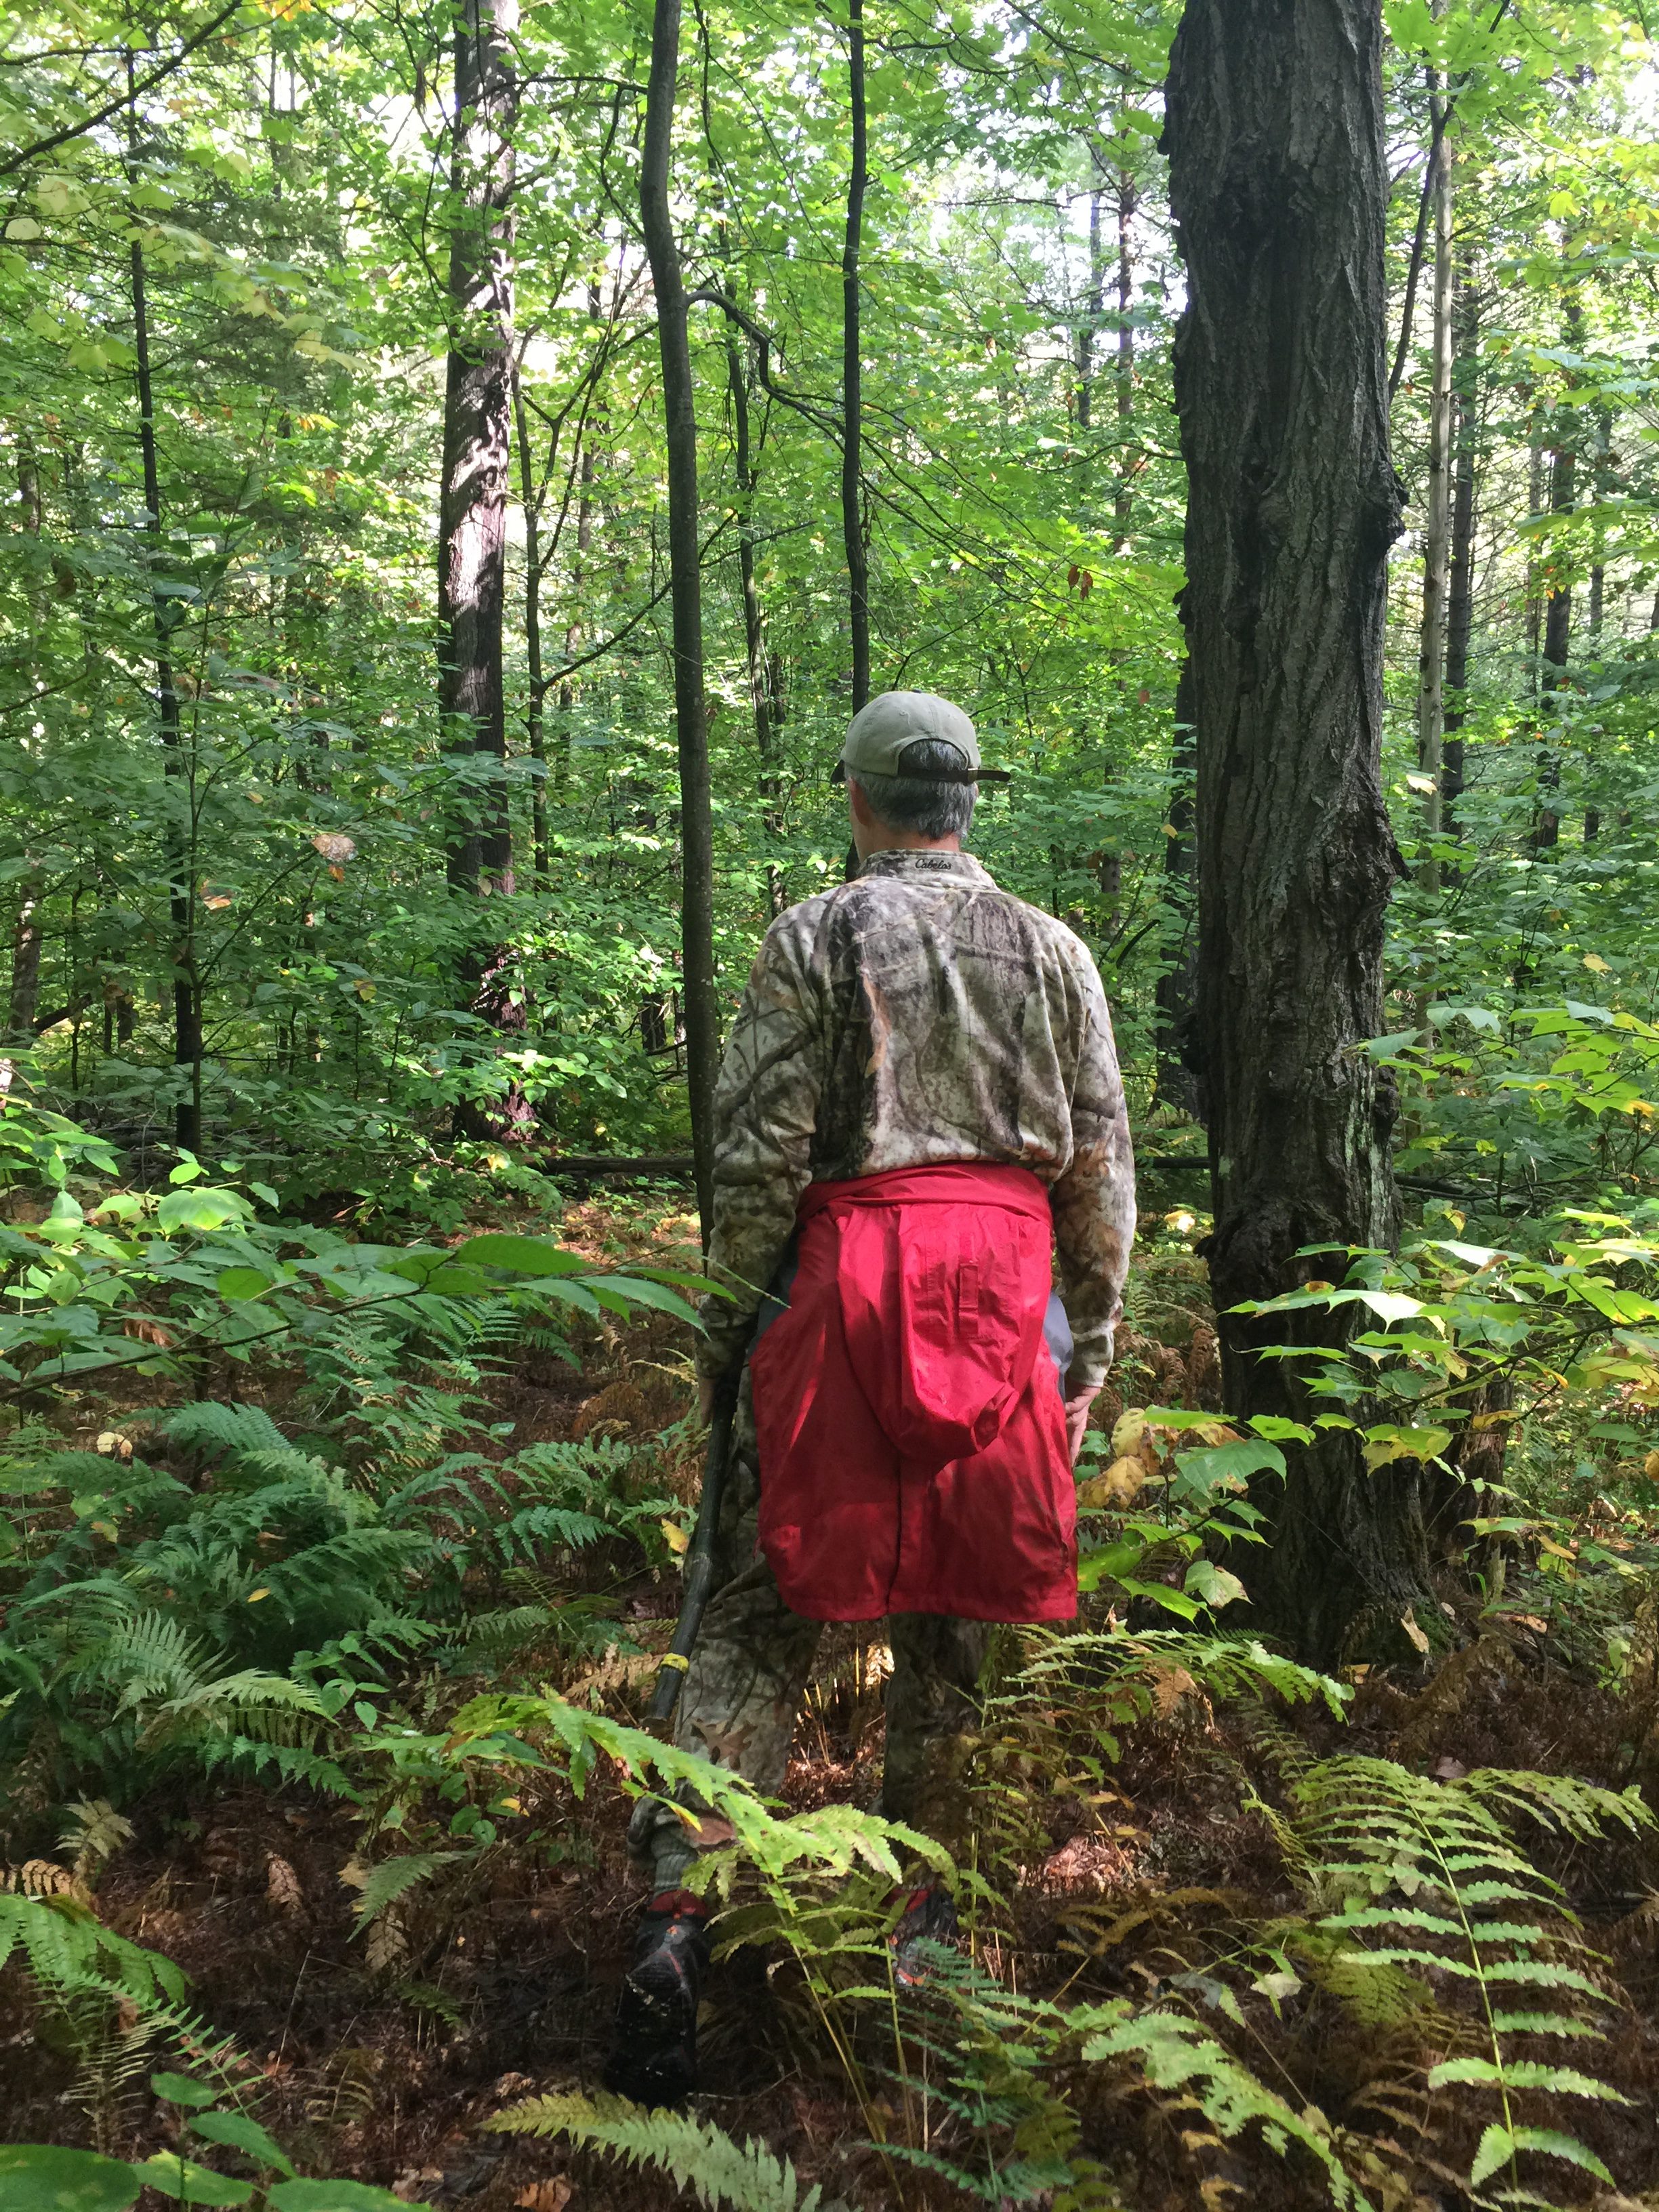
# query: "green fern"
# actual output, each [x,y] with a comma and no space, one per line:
[696,2155]
[1428,1878]
[207,1427]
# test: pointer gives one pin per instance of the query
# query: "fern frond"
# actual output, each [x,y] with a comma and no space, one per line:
[1431,1866]
[1175,2053]
[696,2155]
[383,1884]
[236,1430]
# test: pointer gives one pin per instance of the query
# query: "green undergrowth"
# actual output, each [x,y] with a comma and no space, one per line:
[306,1557]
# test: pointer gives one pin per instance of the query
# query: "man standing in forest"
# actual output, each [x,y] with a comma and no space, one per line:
[919,1103]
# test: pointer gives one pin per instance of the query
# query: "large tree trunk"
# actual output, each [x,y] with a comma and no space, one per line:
[1460,598]
[472,510]
[1278,184]
[680,428]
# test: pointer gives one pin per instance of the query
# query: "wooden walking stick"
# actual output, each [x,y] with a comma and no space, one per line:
[699,1582]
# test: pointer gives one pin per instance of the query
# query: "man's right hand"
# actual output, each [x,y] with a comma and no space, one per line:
[706,1388]
[1076,1419]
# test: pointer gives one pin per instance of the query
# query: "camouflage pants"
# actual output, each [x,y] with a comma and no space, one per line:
[751,1666]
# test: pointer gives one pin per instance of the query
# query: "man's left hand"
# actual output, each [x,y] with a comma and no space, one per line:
[1076,1419]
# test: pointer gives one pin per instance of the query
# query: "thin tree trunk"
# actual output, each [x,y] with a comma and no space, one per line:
[852,471]
[1127,201]
[1094,301]
[1460,598]
[26,963]
[761,670]
[472,516]
[680,426]
[1279,187]
[1534,506]
[478,429]
[1436,546]
[536,717]
[586,473]
[1557,630]
[26,927]
[165,610]
[1606,479]
[1178,1083]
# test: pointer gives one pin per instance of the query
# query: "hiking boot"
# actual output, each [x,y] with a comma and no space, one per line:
[653,2059]
[929,1917]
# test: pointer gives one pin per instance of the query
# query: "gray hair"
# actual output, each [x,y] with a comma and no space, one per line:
[915,800]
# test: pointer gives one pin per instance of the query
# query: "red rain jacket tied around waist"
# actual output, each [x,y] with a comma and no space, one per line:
[908,1410]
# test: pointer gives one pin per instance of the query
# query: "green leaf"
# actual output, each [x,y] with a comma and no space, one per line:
[240,1283]
[1212,1584]
[183,2089]
[1110,1563]
[1229,1463]
[623,1292]
[338,2196]
[184,2180]
[201,1210]
[521,1255]
[48,2178]
[237,2132]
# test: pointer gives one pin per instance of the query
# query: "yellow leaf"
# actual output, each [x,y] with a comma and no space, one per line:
[1408,1622]
[1596,964]
[1119,1486]
[1128,1431]
[674,1536]
[254,1596]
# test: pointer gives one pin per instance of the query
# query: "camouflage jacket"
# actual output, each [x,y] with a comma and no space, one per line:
[913,1016]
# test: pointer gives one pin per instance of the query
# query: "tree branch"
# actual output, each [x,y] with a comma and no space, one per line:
[55,138]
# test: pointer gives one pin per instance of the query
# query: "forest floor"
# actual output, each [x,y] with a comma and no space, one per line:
[384,2066]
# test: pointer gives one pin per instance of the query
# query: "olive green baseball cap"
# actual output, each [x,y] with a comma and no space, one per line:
[893,720]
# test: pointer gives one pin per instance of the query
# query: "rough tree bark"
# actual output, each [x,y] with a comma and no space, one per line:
[680,428]
[1278,188]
